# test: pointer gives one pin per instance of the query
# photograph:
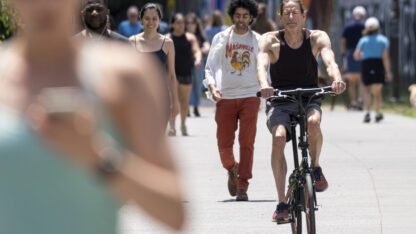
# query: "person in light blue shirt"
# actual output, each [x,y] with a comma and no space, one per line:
[215,27]
[131,26]
[373,50]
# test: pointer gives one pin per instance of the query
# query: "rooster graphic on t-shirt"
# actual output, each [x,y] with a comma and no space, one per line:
[240,57]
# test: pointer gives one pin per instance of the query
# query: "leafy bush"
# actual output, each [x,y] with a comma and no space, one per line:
[7,25]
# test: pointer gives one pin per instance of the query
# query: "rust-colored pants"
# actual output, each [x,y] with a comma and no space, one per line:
[229,112]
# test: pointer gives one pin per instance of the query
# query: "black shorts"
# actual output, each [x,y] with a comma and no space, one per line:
[372,71]
[184,80]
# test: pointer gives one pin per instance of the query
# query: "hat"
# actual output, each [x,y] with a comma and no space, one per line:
[372,24]
[359,11]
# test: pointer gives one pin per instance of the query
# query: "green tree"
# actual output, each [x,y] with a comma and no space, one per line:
[7,26]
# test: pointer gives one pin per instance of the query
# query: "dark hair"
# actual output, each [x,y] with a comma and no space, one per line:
[174,18]
[250,5]
[300,2]
[87,2]
[216,19]
[199,33]
[148,6]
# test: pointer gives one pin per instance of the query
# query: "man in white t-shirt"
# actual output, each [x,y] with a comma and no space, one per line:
[231,78]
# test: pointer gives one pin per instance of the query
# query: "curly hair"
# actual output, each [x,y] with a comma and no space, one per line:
[250,5]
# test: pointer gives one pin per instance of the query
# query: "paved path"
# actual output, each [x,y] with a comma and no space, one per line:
[370,169]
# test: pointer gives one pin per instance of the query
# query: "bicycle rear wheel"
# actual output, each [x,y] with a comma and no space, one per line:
[309,202]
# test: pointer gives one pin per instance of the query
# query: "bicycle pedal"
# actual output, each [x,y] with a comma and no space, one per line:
[283,221]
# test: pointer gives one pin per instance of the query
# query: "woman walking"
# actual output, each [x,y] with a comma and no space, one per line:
[194,25]
[373,50]
[188,57]
[152,42]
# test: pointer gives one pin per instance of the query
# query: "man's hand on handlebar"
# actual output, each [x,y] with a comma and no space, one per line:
[338,86]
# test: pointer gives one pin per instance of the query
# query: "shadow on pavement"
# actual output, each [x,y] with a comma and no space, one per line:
[233,200]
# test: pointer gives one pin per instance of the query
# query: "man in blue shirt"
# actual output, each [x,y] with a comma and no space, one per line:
[131,26]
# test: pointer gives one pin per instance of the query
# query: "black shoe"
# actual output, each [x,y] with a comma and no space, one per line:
[367,118]
[281,214]
[241,195]
[196,112]
[321,184]
[379,117]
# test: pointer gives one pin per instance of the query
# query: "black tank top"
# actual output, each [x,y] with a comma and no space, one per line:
[184,60]
[296,68]
[160,54]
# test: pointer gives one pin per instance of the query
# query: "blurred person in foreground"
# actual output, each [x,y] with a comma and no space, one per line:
[194,26]
[132,25]
[373,51]
[150,41]
[231,77]
[95,17]
[349,40]
[291,57]
[79,130]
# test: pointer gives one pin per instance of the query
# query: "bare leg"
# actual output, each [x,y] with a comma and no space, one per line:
[183,93]
[376,92]
[315,137]
[279,165]
[353,84]
[367,98]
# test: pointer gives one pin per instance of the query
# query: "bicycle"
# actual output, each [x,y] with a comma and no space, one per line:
[301,194]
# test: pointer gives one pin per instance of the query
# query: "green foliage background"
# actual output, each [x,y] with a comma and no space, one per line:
[7,26]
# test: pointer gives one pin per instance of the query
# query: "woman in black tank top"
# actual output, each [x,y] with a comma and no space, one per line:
[187,57]
[152,42]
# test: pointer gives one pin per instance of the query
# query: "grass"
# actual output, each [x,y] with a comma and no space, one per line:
[400,108]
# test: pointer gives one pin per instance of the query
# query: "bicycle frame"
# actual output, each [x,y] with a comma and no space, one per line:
[301,194]
[303,167]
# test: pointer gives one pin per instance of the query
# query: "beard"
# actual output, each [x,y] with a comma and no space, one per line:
[241,26]
[95,26]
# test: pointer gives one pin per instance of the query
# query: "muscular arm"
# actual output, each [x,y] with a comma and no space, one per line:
[323,46]
[263,61]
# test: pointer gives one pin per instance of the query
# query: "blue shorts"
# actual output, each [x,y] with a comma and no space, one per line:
[353,66]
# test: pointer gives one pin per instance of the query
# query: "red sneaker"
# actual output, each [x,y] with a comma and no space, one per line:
[281,214]
[320,182]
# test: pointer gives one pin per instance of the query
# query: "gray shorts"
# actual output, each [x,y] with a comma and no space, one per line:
[278,113]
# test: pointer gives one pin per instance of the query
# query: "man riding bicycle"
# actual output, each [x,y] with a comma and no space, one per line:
[292,55]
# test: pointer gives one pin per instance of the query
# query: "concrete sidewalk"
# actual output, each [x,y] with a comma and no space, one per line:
[370,169]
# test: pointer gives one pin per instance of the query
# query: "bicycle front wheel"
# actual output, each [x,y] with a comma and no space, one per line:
[309,202]
[296,211]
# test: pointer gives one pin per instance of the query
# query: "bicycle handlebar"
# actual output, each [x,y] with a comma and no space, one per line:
[299,91]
